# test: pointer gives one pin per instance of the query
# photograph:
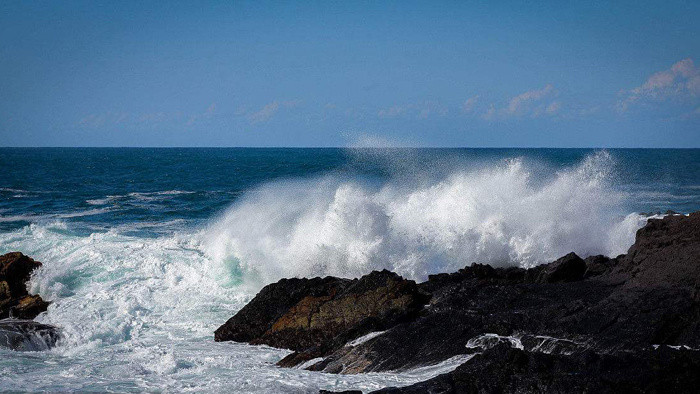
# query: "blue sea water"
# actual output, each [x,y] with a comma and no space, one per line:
[147,251]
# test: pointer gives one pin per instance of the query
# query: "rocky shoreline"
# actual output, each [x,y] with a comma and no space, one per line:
[599,324]
[17,307]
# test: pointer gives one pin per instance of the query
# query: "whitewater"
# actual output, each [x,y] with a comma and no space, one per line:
[139,280]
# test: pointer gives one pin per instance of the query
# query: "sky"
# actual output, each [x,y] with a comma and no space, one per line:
[380,73]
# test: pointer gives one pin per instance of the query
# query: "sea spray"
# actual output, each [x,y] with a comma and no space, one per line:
[500,215]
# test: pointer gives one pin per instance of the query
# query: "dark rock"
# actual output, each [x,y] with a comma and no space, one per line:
[598,265]
[15,270]
[27,335]
[317,316]
[569,268]
[503,369]
[580,325]
[271,303]
[28,307]
[15,301]
[340,392]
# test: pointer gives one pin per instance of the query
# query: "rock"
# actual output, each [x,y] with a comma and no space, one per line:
[28,307]
[316,316]
[15,301]
[15,269]
[569,268]
[505,369]
[598,265]
[595,325]
[271,303]
[27,335]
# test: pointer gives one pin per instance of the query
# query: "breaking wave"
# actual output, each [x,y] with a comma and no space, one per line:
[504,214]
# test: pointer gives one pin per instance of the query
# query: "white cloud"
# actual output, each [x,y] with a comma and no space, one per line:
[420,110]
[265,113]
[681,81]
[522,103]
[533,103]
[269,110]
[392,111]
[490,113]
[553,108]
[468,105]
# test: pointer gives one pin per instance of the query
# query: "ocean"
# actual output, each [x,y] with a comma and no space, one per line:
[147,251]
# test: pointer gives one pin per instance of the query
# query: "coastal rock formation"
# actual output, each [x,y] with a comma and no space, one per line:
[15,301]
[18,307]
[594,324]
[316,316]
[504,369]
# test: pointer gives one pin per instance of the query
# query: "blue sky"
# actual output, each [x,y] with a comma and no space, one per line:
[473,74]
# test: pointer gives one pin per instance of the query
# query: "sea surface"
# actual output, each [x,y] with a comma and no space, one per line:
[147,251]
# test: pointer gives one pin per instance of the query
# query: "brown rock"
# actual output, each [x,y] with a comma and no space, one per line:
[325,314]
[15,301]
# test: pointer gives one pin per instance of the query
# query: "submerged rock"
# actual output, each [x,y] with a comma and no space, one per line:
[15,301]
[27,335]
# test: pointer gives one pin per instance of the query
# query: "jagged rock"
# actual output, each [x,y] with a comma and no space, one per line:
[316,316]
[28,307]
[598,265]
[503,369]
[569,268]
[15,301]
[580,325]
[271,303]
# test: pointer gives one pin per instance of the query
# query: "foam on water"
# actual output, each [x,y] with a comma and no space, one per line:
[138,313]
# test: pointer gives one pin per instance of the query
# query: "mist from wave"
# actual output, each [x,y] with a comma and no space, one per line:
[501,214]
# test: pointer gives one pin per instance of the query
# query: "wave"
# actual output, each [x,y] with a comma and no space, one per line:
[48,217]
[502,214]
[139,196]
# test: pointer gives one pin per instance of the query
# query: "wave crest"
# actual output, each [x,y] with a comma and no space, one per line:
[502,215]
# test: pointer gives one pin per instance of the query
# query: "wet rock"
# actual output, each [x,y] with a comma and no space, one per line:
[15,301]
[28,307]
[27,335]
[503,369]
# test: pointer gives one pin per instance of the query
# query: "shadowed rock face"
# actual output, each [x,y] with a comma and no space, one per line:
[503,369]
[570,325]
[15,301]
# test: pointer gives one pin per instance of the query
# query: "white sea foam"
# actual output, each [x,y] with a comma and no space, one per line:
[48,217]
[502,215]
[365,338]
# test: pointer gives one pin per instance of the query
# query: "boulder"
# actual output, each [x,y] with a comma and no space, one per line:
[569,268]
[316,316]
[15,301]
